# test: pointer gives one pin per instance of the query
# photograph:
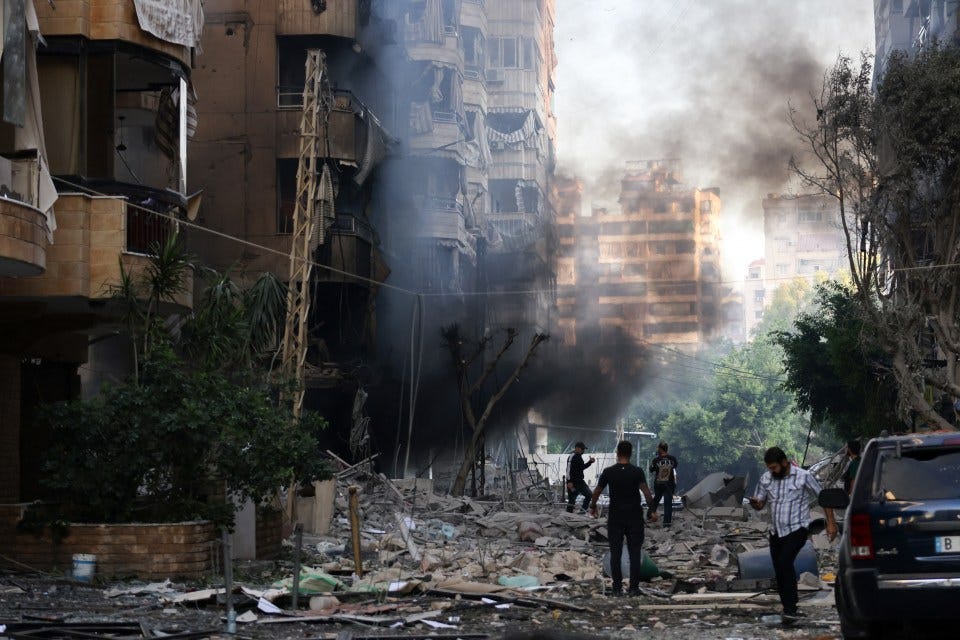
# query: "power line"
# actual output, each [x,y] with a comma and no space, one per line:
[715,364]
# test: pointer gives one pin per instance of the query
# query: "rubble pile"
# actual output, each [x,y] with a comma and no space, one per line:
[435,564]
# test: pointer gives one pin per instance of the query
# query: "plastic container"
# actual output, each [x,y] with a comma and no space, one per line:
[84,566]
[757,565]
[647,568]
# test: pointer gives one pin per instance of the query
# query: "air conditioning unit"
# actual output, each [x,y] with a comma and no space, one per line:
[494,75]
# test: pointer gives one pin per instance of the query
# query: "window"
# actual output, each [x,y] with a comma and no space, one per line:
[509,46]
[783,269]
[511,53]
[528,54]
[809,215]
[782,243]
[473,47]
[923,474]
[705,206]
[758,295]
[758,314]
[754,273]
[286,194]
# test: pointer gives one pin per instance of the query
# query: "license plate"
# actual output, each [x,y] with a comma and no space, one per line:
[947,544]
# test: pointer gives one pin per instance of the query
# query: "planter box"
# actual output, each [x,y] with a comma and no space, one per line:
[147,551]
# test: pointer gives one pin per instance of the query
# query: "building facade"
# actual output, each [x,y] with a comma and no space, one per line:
[92,147]
[802,238]
[651,270]
[439,149]
[909,25]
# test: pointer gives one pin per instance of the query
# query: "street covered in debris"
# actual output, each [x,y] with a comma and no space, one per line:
[455,568]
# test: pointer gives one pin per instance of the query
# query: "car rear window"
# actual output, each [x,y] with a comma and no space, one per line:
[921,474]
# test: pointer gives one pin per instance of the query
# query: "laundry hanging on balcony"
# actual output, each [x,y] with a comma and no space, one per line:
[176,21]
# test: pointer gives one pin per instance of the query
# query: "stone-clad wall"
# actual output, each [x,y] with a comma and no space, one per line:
[148,551]
[101,20]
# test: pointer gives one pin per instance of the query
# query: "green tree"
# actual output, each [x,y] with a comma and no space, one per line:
[198,415]
[831,371]
[892,160]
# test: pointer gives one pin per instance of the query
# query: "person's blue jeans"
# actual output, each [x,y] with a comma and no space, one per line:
[664,491]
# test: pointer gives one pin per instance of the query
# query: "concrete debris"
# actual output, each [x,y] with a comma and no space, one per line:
[435,564]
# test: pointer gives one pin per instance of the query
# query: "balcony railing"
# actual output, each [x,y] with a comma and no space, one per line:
[437,203]
[20,177]
[445,116]
[473,72]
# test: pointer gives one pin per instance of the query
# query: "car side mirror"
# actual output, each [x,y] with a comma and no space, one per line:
[833,499]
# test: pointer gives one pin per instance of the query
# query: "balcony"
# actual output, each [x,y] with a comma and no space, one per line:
[84,260]
[111,20]
[296,17]
[425,44]
[442,219]
[23,227]
[349,127]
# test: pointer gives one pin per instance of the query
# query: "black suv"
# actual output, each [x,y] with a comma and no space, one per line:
[899,561]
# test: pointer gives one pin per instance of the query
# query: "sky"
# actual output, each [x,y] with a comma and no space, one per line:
[708,81]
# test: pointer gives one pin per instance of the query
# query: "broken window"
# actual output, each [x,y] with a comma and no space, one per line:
[503,196]
[114,114]
[473,48]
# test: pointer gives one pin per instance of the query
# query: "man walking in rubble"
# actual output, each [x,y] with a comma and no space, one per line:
[625,515]
[789,490]
[663,469]
[576,486]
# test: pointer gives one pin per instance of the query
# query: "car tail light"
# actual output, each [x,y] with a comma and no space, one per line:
[861,538]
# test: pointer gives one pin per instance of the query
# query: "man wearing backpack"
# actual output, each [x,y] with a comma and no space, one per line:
[663,470]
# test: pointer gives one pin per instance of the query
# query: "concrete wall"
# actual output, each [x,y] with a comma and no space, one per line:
[101,20]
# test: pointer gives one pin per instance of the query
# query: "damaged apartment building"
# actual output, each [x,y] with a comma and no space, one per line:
[437,166]
[651,270]
[93,138]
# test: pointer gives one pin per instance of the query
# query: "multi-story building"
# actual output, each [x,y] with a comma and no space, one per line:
[94,140]
[802,238]
[421,90]
[660,257]
[909,25]
[253,73]
[521,130]
[754,295]
[575,261]
[650,270]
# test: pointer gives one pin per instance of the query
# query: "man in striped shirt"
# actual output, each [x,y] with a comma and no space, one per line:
[788,490]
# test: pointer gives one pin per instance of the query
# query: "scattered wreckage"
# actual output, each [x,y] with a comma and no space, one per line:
[400,559]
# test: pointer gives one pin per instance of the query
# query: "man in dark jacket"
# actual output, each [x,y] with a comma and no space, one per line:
[663,469]
[625,519]
[575,483]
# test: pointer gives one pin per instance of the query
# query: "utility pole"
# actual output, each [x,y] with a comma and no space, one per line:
[314,204]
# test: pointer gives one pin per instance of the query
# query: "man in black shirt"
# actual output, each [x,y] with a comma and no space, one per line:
[625,517]
[663,469]
[575,483]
